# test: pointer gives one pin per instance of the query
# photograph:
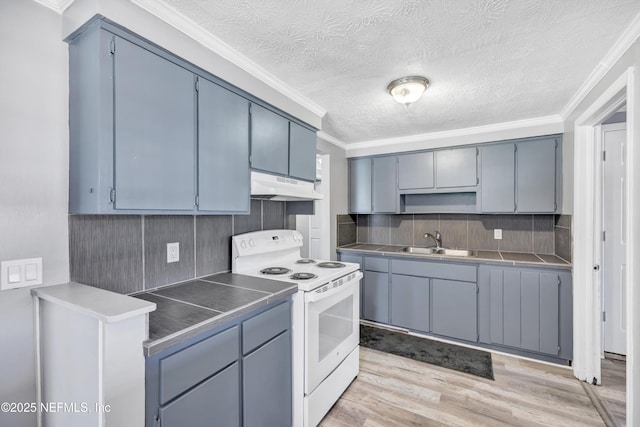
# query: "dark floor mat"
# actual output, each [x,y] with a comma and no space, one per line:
[463,359]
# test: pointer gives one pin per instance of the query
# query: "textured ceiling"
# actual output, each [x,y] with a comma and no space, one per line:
[489,61]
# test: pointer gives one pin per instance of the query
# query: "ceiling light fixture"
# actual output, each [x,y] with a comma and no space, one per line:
[408,89]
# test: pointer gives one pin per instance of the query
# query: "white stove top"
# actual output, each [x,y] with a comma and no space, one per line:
[254,252]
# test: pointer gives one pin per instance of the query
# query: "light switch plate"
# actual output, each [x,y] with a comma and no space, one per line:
[497,233]
[173,252]
[20,273]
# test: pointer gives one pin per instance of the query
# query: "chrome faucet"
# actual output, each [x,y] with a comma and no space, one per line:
[437,238]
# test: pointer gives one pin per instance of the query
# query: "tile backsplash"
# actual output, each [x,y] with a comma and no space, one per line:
[128,253]
[542,234]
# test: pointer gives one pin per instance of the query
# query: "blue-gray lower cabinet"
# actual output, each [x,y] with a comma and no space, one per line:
[410,302]
[526,308]
[454,309]
[238,374]
[267,384]
[214,402]
[223,150]
[375,299]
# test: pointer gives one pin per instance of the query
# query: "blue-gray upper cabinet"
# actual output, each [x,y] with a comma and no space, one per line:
[223,150]
[132,127]
[360,185]
[526,308]
[373,185]
[383,188]
[497,175]
[154,127]
[280,146]
[456,167]
[521,176]
[302,152]
[269,141]
[415,171]
[536,168]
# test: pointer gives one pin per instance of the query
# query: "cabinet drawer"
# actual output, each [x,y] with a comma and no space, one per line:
[357,259]
[261,328]
[376,264]
[217,397]
[188,367]
[440,270]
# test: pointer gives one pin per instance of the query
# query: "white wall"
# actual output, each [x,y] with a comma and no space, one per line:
[33,179]
[339,187]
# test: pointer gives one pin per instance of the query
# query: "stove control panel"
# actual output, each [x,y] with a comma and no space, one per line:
[266,241]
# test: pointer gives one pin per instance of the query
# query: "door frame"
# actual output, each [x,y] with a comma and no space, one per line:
[587,226]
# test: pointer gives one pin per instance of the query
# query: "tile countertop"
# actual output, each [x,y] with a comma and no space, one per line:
[509,258]
[187,309]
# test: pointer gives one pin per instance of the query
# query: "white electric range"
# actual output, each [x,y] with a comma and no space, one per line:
[325,316]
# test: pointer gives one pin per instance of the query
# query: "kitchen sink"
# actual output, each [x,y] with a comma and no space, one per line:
[438,251]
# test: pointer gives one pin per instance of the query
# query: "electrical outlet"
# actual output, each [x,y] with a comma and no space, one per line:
[173,252]
[497,233]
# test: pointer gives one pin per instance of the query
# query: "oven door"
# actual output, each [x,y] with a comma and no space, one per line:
[332,325]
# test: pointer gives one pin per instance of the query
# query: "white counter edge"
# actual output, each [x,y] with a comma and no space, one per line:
[106,306]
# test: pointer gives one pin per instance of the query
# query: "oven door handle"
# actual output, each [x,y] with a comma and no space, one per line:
[314,296]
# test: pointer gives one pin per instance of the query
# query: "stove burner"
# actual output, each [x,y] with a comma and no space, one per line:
[275,270]
[302,276]
[331,264]
[306,261]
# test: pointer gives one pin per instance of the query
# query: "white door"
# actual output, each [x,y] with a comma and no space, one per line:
[613,247]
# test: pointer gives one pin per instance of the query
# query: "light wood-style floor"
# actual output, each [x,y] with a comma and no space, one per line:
[613,389]
[396,391]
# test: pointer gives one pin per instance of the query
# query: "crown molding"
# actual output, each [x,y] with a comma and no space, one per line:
[471,135]
[331,140]
[56,5]
[199,34]
[619,48]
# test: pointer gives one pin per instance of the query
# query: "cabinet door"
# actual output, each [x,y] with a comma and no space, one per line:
[360,185]
[536,176]
[302,152]
[524,309]
[457,167]
[383,188]
[454,309]
[223,150]
[410,302]
[269,141]
[375,298]
[498,177]
[217,398]
[267,384]
[154,127]
[415,171]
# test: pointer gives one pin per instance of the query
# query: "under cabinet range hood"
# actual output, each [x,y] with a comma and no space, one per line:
[279,188]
